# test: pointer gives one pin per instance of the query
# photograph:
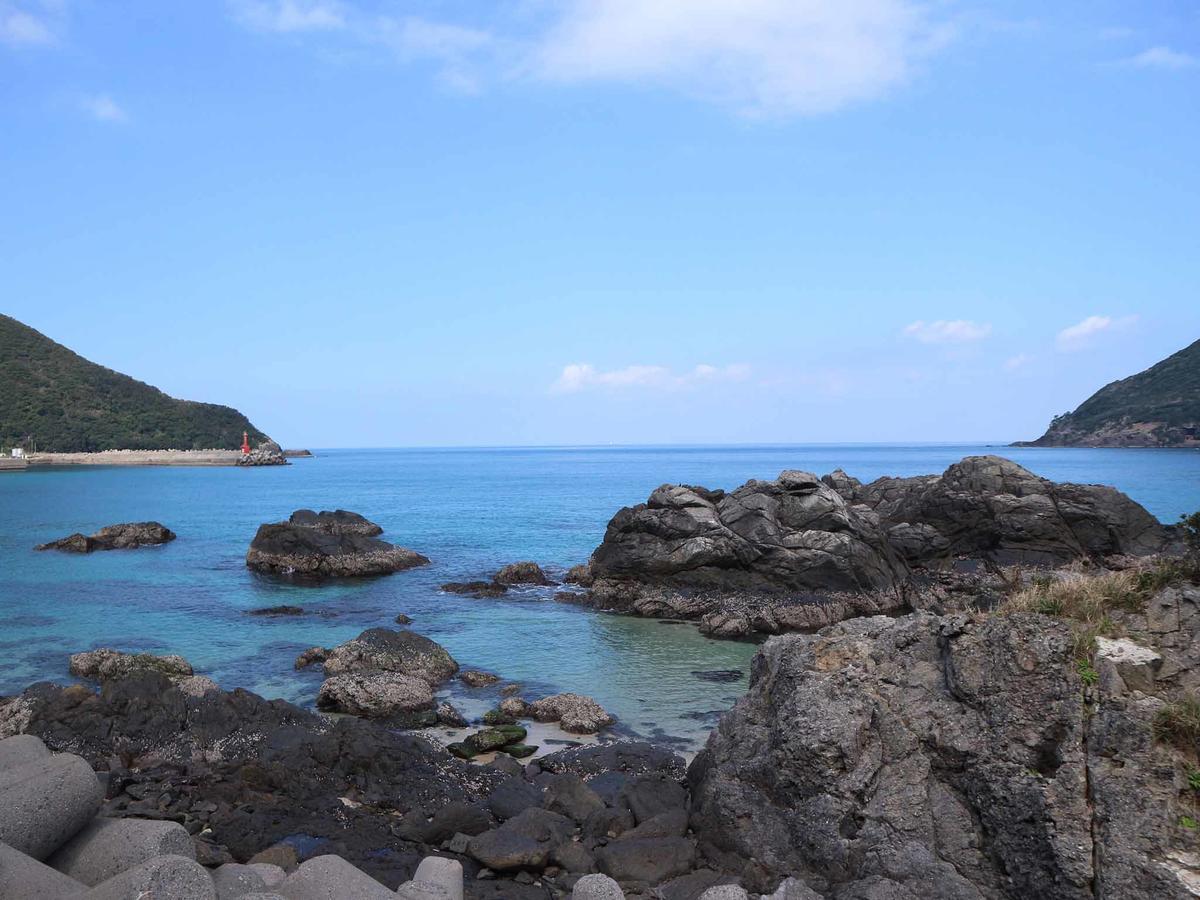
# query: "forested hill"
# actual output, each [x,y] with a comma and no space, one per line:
[1159,407]
[56,399]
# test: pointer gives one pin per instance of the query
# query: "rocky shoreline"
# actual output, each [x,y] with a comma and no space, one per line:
[1047,747]
[802,552]
[981,685]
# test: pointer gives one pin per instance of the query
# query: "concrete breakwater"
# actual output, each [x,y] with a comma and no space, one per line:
[13,465]
[261,456]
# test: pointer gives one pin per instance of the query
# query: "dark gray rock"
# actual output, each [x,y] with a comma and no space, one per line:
[127,536]
[648,860]
[525,841]
[339,521]
[297,550]
[990,507]
[569,796]
[648,796]
[513,796]
[923,757]
[521,573]
[388,650]
[794,534]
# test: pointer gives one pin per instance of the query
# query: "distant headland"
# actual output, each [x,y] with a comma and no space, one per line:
[58,408]
[1159,407]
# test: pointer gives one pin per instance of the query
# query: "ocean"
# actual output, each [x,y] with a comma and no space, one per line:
[470,511]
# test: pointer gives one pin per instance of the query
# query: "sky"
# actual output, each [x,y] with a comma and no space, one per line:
[444,222]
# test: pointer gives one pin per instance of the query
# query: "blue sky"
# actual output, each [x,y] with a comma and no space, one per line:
[385,223]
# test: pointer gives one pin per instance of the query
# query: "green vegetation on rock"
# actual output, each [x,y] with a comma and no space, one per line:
[1159,407]
[58,401]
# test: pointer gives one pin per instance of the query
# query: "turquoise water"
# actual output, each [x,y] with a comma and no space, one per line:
[470,511]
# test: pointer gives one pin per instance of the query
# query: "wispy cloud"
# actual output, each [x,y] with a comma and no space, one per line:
[1018,362]
[583,376]
[957,331]
[759,57]
[103,108]
[1163,58]
[455,48]
[30,22]
[1079,335]
[287,16]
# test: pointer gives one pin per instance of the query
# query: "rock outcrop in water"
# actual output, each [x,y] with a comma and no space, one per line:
[267,453]
[338,521]
[963,756]
[327,544]
[799,553]
[127,536]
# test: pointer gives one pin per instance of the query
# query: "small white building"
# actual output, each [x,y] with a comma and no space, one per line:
[18,453]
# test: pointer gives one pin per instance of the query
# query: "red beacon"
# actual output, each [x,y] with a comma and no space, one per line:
[245,443]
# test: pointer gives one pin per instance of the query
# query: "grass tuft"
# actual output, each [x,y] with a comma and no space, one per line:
[1178,723]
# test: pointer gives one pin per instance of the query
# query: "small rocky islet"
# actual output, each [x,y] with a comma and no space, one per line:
[989,689]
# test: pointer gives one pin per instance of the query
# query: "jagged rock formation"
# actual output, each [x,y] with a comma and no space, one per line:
[337,544]
[800,552]
[991,508]
[1159,407]
[960,757]
[127,536]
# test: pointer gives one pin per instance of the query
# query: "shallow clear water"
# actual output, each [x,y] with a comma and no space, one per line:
[470,511]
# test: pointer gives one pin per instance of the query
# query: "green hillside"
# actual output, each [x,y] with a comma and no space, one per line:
[1156,408]
[56,399]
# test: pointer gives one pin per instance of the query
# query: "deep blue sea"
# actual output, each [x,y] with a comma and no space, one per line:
[470,511]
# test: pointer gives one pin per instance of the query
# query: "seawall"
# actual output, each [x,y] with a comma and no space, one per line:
[139,458]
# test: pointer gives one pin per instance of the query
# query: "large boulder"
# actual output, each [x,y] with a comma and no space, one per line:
[375,695]
[794,534]
[128,536]
[339,521]
[953,756]
[388,650]
[993,508]
[573,712]
[289,549]
[106,664]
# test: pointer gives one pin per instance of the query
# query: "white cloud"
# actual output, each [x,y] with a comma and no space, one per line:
[103,108]
[1162,58]
[290,15]
[957,331]
[29,22]
[760,57]
[766,57]
[1080,334]
[582,376]
[1020,361]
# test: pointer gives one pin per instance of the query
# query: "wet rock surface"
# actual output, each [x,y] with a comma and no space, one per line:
[325,545]
[128,536]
